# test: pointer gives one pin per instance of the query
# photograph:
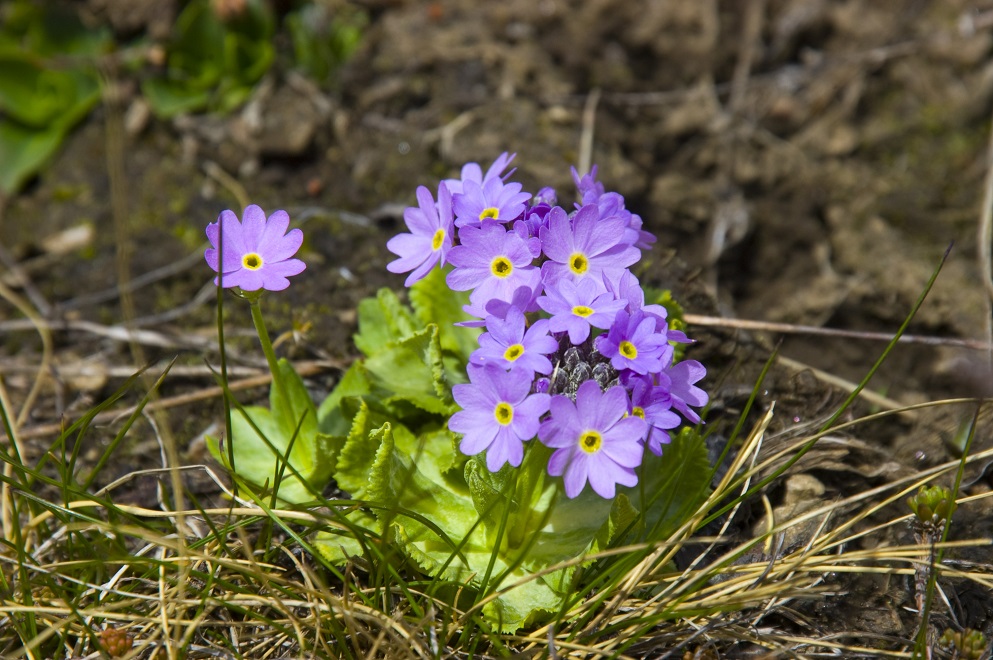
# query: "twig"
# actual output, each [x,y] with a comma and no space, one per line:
[789,328]
[589,125]
[984,245]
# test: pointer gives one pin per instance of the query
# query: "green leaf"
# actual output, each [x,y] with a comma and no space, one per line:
[412,370]
[331,418]
[384,320]
[168,98]
[434,302]
[23,152]
[261,438]
[672,485]
[42,106]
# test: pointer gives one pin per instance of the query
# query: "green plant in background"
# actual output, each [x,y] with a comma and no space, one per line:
[324,37]
[48,83]
[212,64]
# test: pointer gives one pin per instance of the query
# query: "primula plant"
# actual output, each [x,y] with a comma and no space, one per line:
[517,418]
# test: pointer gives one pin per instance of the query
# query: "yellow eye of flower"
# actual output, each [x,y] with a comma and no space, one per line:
[628,350]
[638,411]
[252,261]
[490,213]
[513,352]
[439,238]
[590,442]
[578,263]
[501,267]
[582,310]
[503,413]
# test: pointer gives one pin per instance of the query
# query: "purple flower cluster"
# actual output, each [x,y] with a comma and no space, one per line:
[571,353]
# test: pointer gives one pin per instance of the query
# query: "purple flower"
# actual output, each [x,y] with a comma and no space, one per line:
[257,252]
[473,172]
[654,405]
[589,188]
[684,393]
[632,343]
[493,200]
[497,415]
[430,236]
[493,261]
[577,306]
[507,344]
[586,246]
[594,440]
[523,298]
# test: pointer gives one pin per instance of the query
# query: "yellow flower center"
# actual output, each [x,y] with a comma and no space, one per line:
[590,442]
[491,213]
[252,261]
[628,350]
[582,310]
[513,352]
[578,263]
[503,413]
[638,411]
[439,238]
[501,267]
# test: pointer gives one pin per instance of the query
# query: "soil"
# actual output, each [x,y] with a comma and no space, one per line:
[804,162]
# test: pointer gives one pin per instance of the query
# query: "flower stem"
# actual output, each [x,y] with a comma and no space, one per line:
[270,353]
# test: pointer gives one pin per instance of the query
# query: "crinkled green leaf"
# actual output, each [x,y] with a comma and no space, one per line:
[434,302]
[384,320]
[412,369]
[331,418]
[419,487]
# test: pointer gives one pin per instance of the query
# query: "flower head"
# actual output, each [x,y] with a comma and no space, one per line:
[492,260]
[473,172]
[594,440]
[654,405]
[257,253]
[509,345]
[575,307]
[498,414]
[584,246]
[684,393]
[633,343]
[430,236]
[491,200]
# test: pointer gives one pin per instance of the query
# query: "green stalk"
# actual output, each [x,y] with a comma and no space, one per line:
[270,353]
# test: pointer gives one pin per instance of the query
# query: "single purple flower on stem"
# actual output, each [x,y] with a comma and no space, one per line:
[577,306]
[584,246]
[654,405]
[594,439]
[633,343]
[257,252]
[507,343]
[493,200]
[498,415]
[430,237]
